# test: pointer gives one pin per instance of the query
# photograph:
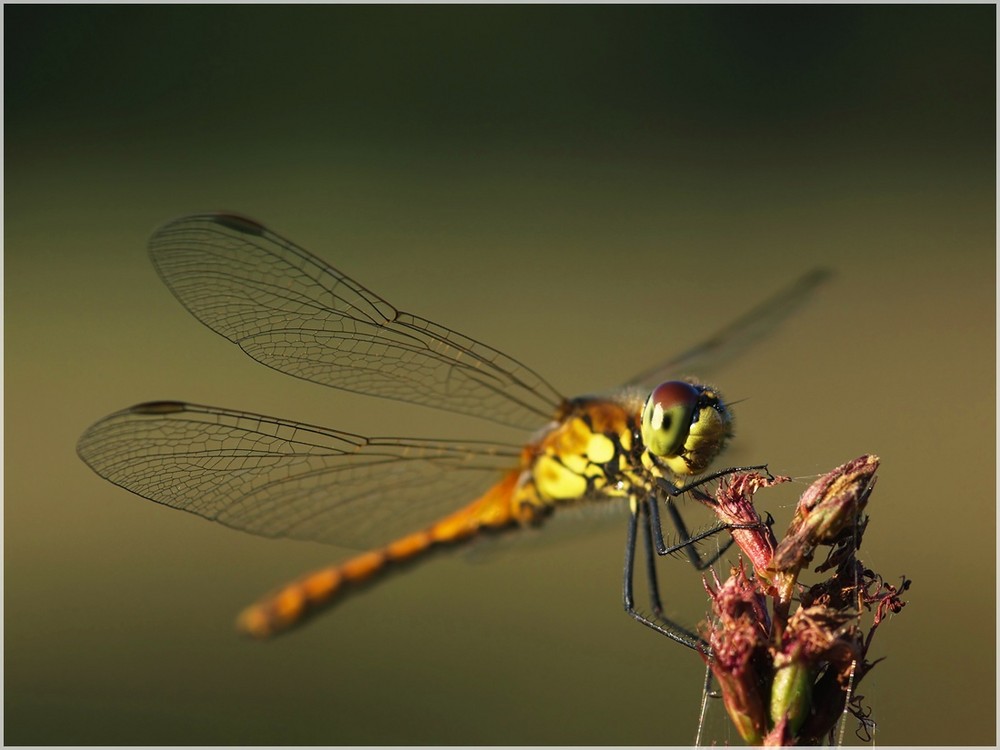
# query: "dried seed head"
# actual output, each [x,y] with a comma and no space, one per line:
[831,506]
[734,506]
[738,637]
[786,676]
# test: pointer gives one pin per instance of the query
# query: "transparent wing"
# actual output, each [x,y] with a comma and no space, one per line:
[729,342]
[291,311]
[277,478]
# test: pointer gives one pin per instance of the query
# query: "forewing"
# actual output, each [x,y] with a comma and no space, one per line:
[291,311]
[729,342]
[277,478]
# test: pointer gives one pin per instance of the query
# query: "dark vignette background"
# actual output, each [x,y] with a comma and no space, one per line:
[586,188]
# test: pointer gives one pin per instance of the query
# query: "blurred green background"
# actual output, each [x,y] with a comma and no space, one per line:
[586,188]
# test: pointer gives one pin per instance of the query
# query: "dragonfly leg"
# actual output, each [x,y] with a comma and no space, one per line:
[687,540]
[674,491]
[647,536]
[660,624]
[648,510]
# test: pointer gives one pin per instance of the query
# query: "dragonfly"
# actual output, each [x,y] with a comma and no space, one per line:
[399,497]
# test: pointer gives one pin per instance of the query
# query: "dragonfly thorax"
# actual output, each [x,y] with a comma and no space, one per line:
[616,447]
[586,453]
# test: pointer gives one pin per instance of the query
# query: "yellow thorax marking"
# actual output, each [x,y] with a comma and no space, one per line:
[572,455]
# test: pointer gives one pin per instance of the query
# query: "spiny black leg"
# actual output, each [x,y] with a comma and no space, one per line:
[689,548]
[647,528]
[653,541]
[687,541]
[665,626]
[629,599]
[674,491]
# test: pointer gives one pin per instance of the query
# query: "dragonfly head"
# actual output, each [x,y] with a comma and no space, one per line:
[685,425]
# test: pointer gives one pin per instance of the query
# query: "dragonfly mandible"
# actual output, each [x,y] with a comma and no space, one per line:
[403,497]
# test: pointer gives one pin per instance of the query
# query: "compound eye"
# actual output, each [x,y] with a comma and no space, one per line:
[667,417]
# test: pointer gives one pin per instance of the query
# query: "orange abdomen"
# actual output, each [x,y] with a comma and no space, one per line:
[291,604]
